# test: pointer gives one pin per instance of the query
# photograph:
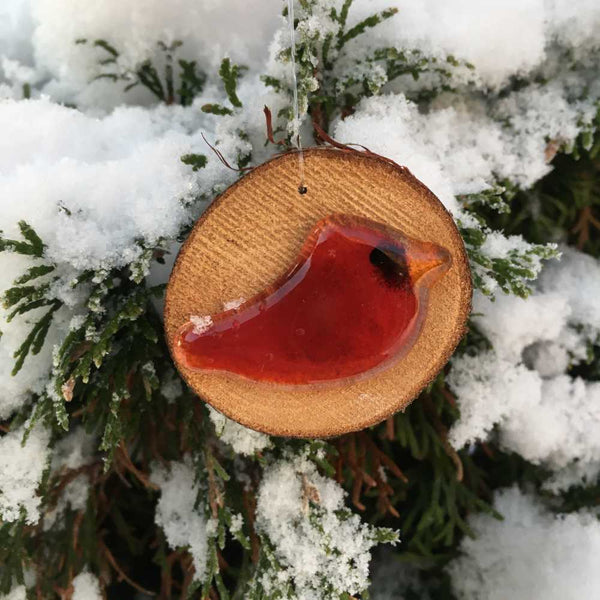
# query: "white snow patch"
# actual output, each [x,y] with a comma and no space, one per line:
[92,188]
[17,593]
[577,279]
[458,147]
[312,543]
[489,391]
[532,553]
[21,470]
[241,439]
[522,386]
[501,39]
[182,523]
[207,30]
[86,587]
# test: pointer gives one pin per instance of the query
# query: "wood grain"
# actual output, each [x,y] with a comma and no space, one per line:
[252,234]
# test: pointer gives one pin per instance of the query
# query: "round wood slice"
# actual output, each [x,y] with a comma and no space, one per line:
[252,234]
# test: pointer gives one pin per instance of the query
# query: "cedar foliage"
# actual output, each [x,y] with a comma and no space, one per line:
[108,370]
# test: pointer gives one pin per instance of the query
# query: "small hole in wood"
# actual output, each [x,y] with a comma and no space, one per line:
[302,189]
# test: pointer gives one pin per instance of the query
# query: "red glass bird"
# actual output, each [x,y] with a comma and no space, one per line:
[353,303]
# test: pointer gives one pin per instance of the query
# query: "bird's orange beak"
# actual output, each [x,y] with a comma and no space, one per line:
[426,258]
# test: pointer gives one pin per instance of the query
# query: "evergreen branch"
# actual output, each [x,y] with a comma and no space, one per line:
[14,295]
[34,273]
[327,65]
[273,82]
[113,77]
[25,298]
[148,77]
[191,79]
[216,109]
[497,198]
[122,575]
[230,73]
[35,340]
[360,28]
[113,432]
[344,13]
[104,45]
[323,92]
[32,237]
[13,554]
[26,307]
[191,82]
[32,246]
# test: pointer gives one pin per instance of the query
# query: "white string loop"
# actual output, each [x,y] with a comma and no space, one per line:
[296,140]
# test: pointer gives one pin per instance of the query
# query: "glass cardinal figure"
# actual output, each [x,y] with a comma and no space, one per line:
[353,302]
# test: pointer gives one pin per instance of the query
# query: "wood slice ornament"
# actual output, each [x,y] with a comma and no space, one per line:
[317,314]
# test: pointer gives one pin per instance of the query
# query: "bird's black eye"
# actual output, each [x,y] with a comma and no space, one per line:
[380,259]
[391,265]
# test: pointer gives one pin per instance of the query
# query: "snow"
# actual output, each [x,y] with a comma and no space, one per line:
[553,421]
[74,450]
[96,180]
[501,39]
[241,439]
[206,29]
[127,160]
[128,163]
[92,188]
[564,428]
[182,523]
[21,470]
[489,390]
[470,30]
[574,24]
[16,29]
[171,387]
[457,147]
[522,387]
[532,553]
[576,278]
[237,522]
[299,510]
[512,323]
[86,587]
[17,593]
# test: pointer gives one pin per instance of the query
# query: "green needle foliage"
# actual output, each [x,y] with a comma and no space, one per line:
[565,207]
[112,370]
[229,74]
[30,292]
[175,81]
[513,272]
[331,81]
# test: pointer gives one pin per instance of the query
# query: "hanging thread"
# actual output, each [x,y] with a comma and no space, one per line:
[296,112]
